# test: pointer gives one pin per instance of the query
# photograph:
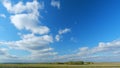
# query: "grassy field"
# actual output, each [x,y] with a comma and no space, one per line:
[95,65]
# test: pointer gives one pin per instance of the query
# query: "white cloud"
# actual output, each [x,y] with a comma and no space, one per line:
[20,7]
[109,50]
[83,49]
[57,37]
[26,16]
[55,3]
[61,32]
[31,42]
[2,16]
[102,52]
[38,46]
[66,30]
[28,22]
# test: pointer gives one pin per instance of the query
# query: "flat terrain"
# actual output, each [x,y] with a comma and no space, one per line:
[95,65]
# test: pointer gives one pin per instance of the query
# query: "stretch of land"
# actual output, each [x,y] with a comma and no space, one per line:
[39,65]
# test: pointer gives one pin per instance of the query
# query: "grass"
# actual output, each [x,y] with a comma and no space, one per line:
[95,65]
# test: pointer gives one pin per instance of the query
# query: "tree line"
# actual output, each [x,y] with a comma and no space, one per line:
[73,63]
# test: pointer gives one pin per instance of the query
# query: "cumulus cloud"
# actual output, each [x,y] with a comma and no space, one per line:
[28,22]
[30,42]
[61,32]
[2,16]
[20,7]
[38,46]
[26,16]
[55,3]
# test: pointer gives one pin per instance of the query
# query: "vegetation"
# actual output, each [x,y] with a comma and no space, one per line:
[73,63]
[65,65]
[88,63]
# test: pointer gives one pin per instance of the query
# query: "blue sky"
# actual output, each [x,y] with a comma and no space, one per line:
[59,30]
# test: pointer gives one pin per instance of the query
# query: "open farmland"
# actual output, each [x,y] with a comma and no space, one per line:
[95,65]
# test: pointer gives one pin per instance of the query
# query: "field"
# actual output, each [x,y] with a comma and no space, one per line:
[95,65]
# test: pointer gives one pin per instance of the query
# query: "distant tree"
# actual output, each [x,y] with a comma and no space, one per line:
[88,62]
[75,62]
[58,63]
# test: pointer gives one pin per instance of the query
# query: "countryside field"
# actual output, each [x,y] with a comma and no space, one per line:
[95,65]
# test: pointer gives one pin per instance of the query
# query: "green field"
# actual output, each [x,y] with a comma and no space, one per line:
[95,65]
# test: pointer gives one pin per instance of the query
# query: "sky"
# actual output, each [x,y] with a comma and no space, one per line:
[59,30]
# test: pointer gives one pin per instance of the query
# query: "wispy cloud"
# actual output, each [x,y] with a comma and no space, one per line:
[61,32]
[64,31]
[57,37]
[3,15]
[55,3]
